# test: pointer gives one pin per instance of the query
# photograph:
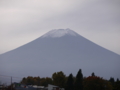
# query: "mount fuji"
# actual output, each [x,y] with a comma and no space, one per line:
[60,50]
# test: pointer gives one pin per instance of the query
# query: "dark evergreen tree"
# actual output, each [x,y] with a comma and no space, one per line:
[117,80]
[112,80]
[93,74]
[69,83]
[78,85]
[117,85]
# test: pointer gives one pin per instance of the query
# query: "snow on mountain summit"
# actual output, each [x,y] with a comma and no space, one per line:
[60,50]
[60,33]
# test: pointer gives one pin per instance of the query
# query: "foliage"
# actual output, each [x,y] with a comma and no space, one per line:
[92,82]
[36,81]
[117,85]
[70,83]
[112,80]
[96,83]
[45,81]
[79,80]
[93,74]
[59,79]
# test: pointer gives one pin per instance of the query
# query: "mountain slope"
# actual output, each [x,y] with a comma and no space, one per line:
[60,50]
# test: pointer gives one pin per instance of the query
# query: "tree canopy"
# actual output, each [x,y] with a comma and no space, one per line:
[78,82]
[96,83]
[59,79]
[70,82]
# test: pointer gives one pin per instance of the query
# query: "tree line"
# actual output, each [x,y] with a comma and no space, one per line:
[78,82]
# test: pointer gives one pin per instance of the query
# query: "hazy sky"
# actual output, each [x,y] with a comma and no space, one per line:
[22,21]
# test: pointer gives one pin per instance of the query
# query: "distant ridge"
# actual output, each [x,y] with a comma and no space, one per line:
[60,50]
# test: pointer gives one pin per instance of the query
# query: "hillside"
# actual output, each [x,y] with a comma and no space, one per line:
[60,50]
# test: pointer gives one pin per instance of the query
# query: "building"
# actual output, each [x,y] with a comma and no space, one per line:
[19,86]
[53,87]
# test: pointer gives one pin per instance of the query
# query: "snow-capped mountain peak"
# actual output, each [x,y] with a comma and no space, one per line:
[44,56]
[60,33]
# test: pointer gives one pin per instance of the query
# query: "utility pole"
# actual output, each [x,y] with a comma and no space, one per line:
[11,82]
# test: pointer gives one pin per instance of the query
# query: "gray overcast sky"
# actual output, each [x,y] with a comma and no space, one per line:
[22,21]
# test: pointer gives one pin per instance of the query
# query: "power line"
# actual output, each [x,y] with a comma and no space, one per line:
[10,76]
[5,76]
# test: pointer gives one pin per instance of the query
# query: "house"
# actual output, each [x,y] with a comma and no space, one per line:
[19,86]
[2,87]
[38,87]
[53,87]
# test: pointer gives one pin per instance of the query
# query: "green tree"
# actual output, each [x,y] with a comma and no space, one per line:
[70,83]
[30,80]
[49,80]
[59,79]
[45,81]
[36,80]
[79,80]
[24,81]
[93,74]
[96,83]
[112,80]
[117,85]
